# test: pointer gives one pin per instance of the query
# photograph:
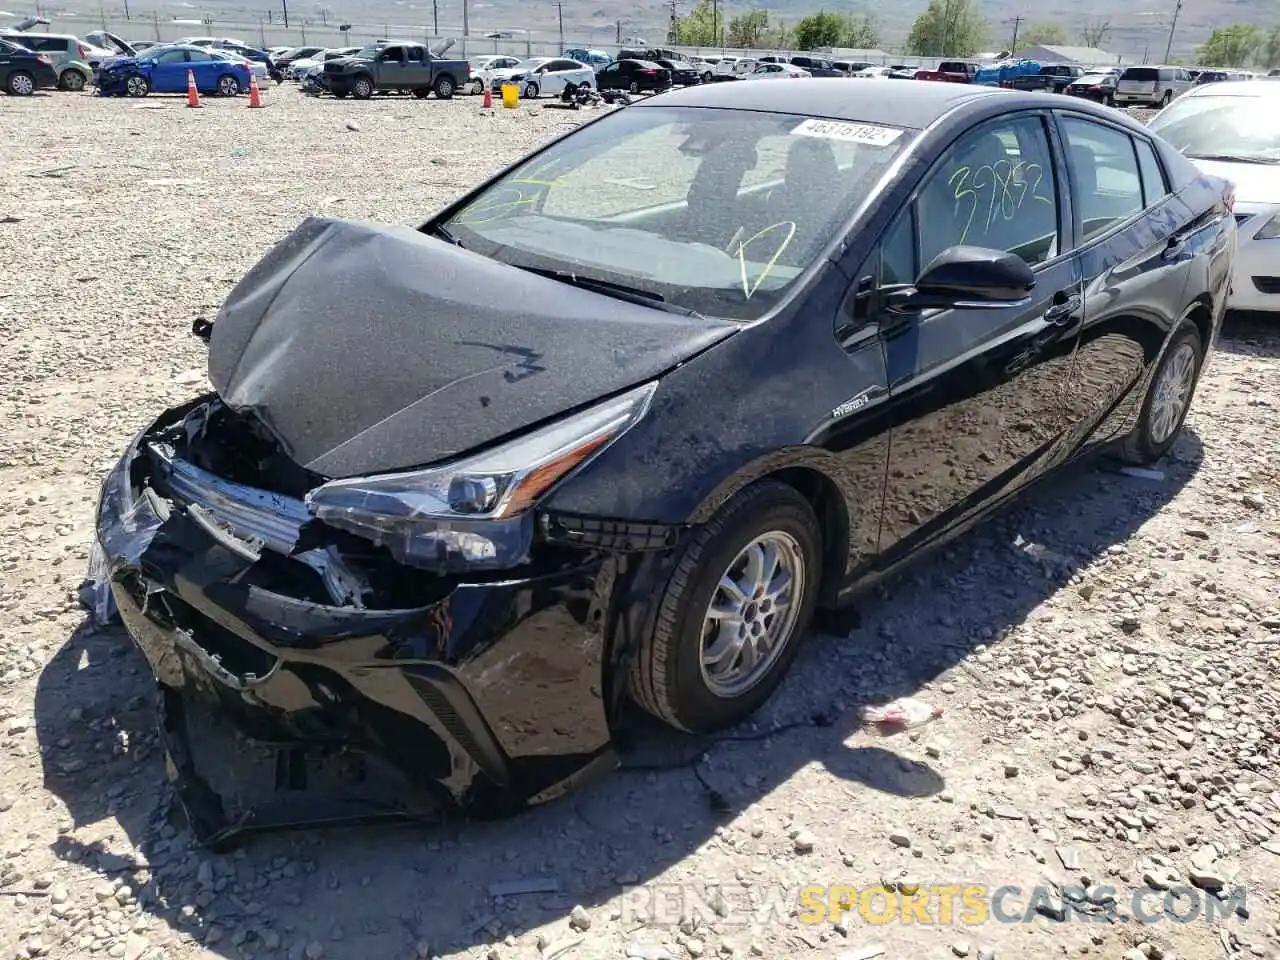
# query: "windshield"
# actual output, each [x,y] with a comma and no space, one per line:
[715,211]
[1222,126]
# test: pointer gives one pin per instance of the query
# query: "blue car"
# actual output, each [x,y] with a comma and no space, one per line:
[595,59]
[164,70]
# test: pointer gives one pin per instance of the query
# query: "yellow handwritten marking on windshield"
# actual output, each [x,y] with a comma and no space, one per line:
[749,289]
[537,183]
[490,208]
[1009,190]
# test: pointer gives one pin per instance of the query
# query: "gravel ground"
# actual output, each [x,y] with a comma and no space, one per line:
[1106,652]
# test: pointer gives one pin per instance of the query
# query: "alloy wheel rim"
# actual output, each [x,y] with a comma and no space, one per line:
[229,87]
[752,613]
[1172,393]
[135,85]
[22,85]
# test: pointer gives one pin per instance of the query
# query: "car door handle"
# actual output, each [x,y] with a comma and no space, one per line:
[1174,250]
[1064,307]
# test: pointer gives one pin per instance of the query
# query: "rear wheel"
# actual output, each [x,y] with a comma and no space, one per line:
[731,617]
[21,84]
[72,80]
[706,77]
[445,88]
[1167,99]
[228,86]
[635,87]
[1164,409]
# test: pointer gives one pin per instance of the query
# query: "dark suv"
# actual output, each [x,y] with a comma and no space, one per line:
[23,71]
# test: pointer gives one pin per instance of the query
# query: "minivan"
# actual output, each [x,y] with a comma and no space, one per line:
[1155,86]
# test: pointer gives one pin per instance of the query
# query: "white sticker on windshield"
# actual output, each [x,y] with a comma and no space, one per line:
[848,132]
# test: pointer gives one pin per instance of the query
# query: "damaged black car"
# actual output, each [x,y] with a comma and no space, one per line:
[611,427]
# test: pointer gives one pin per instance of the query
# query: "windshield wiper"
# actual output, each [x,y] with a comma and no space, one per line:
[1232,158]
[443,233]
[619,291]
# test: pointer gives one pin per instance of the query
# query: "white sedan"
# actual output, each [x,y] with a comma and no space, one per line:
[1232,130]
[544,75]
[488,63]
[259,69]
[778,71]
[873,72]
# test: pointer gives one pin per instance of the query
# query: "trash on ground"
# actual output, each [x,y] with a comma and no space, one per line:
[905,713]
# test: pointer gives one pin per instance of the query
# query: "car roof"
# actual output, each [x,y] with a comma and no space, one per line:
[1240,88]
[911,105]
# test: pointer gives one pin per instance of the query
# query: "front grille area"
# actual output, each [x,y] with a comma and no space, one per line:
[1267,284]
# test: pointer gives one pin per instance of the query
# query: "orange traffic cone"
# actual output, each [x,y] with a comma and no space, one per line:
[255,95]
[488,98]
[193,95]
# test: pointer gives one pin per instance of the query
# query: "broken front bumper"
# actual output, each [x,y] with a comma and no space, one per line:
[491,698]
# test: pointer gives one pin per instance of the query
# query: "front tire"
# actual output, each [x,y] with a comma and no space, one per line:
[634,88]
[731,617]
[362,88]
[531,91]
[1168,399]
[137,86]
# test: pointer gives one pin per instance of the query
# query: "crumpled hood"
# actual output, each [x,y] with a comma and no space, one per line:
[365,348]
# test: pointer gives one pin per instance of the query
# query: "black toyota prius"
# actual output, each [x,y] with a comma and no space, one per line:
[614,424]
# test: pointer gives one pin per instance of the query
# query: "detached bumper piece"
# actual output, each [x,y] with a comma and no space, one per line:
[482,698]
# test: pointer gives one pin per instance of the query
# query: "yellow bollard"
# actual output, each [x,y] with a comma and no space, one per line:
[510,95]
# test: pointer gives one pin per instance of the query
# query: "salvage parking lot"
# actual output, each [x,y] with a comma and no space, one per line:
[1106,653]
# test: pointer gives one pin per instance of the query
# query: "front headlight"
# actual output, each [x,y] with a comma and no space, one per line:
[1270,230]
[475,512]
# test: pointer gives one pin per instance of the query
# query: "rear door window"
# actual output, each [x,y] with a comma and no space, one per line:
[1154,187]
[1108,186]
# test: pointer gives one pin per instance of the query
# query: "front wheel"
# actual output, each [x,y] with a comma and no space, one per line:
[731,616]
[362,88]
[445,88]
[635,87]
[137,86]
[1168,398]
[531,91]
[706,77]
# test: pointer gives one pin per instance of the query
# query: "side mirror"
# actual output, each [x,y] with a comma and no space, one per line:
[967,277]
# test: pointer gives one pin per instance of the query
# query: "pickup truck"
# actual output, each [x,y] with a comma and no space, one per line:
[950,71]
[395,65]
[1052,78]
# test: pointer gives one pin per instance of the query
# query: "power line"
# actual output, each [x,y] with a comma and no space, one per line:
[1013,45]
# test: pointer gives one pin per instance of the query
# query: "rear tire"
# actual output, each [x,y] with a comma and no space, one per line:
[672,677]
[1168,399]
[445,88]
[20,84]
[71,80]
[1166,99]
[228,86]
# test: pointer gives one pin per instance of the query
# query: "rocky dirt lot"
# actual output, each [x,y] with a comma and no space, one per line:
[1107,653]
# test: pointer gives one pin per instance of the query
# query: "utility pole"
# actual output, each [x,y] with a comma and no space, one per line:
[1013,45]
[435,17]
[618,31]
[560,12]
[1168,47]
[673,32]
[715,22]
[285,4]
